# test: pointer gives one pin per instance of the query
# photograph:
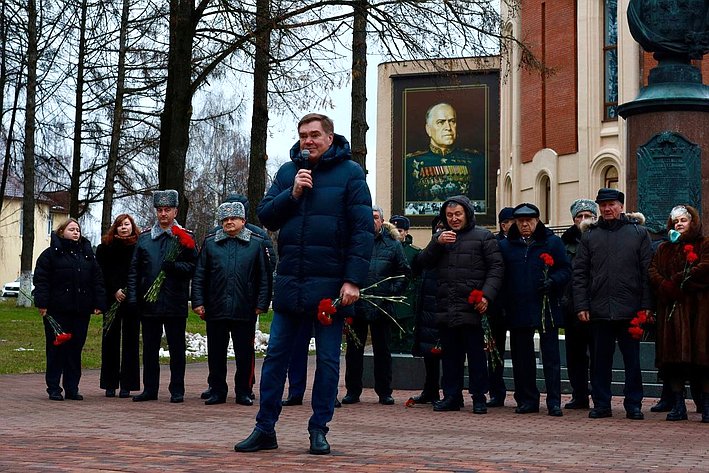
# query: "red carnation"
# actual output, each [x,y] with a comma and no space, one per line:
[349,320]
[636,332]
[62,338]
[692,257]
[476,295]
[436,350]
[547,258]
[183,237]
[641,317]
[326,309]
[688,248]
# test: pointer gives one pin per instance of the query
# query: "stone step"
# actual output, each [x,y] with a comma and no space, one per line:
[408,372]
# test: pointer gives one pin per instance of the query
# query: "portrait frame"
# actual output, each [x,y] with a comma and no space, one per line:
[422,180]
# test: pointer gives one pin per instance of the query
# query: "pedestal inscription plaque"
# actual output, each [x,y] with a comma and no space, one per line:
[669,173]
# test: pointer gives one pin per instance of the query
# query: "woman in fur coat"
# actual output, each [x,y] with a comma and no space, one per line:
[679,274]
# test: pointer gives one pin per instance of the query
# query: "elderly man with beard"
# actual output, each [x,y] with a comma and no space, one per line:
[466,257]
[536,272]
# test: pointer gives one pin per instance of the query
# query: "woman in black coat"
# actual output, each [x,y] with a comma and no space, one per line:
[68,287]
[119,368]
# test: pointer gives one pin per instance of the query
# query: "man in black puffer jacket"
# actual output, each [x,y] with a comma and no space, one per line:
[229,289]
[466,257]
[610,285]
[388,259]
[321,205]
[169,311]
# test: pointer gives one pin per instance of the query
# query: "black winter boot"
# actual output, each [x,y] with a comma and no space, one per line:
[679,408]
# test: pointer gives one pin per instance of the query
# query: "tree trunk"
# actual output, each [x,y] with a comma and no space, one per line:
[359,126]
[117,123]
[175,118]
[8,141]
[28,167]
[259,121]
[75,209]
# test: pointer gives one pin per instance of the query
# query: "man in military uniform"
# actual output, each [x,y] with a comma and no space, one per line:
[168,310]
[443,170]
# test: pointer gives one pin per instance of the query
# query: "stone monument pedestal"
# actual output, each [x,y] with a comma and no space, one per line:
[665,165]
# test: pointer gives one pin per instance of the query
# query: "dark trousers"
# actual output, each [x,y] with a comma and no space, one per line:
[456,343]
[175,334]
[496,374]
[432,382]
[65,359]
[578,350]
[120,349]
[604,334]
[354,358]
[242,334]
[524,365]
[298,366]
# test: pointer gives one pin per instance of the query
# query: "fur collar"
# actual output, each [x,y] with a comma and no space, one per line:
[243,235]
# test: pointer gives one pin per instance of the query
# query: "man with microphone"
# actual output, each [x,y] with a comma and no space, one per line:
[322,207]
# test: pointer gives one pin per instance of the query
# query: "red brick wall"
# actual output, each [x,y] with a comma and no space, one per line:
[647,62]
[549,107]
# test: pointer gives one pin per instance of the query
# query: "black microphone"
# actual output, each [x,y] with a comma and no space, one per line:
[305,157]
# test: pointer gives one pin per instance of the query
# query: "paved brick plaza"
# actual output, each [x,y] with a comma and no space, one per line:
[101,434]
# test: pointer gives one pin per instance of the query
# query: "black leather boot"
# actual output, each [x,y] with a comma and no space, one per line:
[679,407]
[425,398]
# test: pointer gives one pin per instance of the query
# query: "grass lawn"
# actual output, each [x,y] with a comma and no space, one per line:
[22,339]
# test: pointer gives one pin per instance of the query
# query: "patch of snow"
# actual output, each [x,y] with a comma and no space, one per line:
[24,349]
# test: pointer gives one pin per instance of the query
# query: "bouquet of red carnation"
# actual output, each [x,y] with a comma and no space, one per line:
[476,295]
[60,336]
[548,263]
[636,330]
[180,239]
[327,307]
[690,257]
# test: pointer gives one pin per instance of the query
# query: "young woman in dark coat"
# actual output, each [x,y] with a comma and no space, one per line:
[68,287]
[119,368]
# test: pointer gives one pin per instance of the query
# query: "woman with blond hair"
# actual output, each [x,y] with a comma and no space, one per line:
[679,274]
[120,364]
[68,289]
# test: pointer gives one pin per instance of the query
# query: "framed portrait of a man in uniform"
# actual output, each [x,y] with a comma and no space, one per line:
[446,143]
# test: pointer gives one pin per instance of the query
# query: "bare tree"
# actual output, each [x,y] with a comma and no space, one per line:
[116,122]
[28,200]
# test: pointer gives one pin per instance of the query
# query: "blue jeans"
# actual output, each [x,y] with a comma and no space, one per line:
[283,339]
[298,366]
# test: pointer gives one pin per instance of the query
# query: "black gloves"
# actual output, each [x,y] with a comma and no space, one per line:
[168,266]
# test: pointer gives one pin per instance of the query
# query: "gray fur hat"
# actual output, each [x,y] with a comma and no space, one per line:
[231,209]
[166,198]
[581,205]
